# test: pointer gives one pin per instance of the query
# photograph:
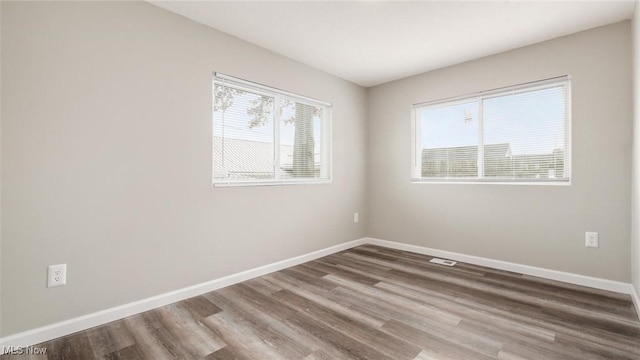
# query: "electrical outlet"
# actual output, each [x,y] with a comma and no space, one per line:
[57,275]
[356,218]
[591,239]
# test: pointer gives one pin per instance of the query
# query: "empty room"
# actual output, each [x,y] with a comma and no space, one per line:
[428,180]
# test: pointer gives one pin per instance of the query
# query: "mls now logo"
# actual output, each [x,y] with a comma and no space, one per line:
[23,350]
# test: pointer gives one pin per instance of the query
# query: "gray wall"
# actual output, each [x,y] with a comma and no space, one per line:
[0,167]
[535,225]
[105,148]
[635,192]
[106,152]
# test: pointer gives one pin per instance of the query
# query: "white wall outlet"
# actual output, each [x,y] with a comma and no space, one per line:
[591,239]
[356,218]
[57,275]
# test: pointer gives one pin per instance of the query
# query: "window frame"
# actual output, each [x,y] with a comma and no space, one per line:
[416,148]
[326,136]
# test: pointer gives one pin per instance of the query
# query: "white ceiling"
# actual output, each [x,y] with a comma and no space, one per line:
[370,43]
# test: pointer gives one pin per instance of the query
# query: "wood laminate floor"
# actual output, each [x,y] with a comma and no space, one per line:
[374,303]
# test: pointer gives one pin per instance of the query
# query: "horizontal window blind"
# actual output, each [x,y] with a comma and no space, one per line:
[515,134]
[265,136]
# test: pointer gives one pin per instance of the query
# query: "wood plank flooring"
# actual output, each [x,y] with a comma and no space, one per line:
[374,303]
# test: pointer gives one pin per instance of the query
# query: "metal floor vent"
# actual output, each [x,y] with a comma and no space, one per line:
[443,262]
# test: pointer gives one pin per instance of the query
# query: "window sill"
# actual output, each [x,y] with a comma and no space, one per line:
[491,182]
[273,183]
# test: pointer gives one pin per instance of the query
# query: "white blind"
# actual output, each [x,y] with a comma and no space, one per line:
[520,133]
[265,136]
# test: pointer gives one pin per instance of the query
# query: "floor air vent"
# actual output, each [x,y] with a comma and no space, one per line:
[443,261]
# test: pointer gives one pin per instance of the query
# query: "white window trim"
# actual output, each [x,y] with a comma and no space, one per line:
[416,153]
[326,166]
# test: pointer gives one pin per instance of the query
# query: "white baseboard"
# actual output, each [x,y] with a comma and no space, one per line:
[636,300]
[63,328]
[571,278]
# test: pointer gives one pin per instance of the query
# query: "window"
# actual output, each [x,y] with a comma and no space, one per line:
[265,136]
[516,134]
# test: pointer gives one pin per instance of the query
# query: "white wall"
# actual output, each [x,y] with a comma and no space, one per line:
[534,225]
[635,193]
[106,157]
